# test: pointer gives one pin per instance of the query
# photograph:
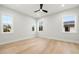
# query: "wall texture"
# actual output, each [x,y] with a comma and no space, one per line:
[21,26]
[53,26]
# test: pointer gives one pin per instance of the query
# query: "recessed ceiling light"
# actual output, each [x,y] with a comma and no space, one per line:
[62,5]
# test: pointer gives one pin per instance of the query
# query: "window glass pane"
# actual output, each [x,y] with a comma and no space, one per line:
[69,23]
[7,23]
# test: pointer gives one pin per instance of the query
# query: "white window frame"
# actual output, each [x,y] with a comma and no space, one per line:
[2,24]
[75,24]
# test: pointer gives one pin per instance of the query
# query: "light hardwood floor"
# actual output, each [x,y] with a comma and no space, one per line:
[40,46]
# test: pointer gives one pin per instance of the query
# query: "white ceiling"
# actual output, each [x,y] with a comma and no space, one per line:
[29,9]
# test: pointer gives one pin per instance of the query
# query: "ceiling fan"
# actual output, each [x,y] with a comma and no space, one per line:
[41,6]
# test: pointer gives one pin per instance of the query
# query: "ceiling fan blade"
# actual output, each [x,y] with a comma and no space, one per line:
[45,11]
[41,6]
[37,10]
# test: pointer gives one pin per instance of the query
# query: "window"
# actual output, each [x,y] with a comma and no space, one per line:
[33,28]
[41,26]
[7,24]
[69,24]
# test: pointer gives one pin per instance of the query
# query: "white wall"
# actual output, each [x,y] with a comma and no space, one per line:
[21,26]
[53,26]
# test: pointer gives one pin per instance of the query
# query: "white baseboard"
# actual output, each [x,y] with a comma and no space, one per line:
[16,40]
[65,40]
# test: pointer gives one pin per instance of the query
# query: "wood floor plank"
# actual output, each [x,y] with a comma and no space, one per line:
[39,46]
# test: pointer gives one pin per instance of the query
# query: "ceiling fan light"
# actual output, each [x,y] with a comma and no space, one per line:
[41,10]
